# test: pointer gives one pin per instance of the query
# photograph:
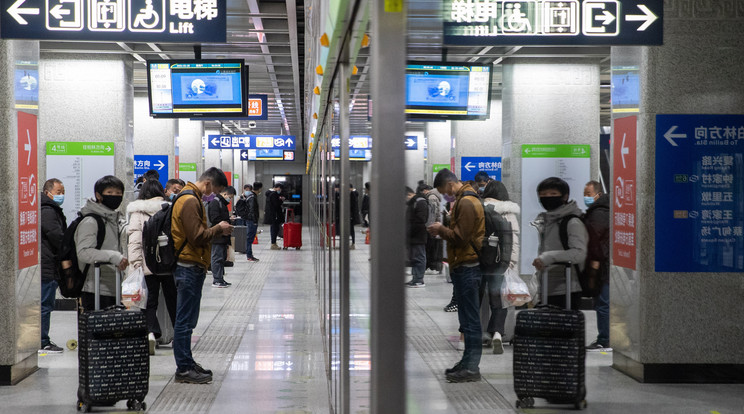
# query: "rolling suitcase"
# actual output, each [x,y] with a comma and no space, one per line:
[549,354]
[113,357]
[240,234]
[292,232]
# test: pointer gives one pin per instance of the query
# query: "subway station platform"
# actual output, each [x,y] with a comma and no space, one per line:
[262,338]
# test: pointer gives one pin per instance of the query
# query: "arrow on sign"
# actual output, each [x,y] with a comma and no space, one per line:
[15,11]
[215,141]
[289,142]
[468,166]
[27,147]
[670,135]
[108,149]
[410,143]
[648,17]
[623,151]
[160,165]
[58,12]
[606,16]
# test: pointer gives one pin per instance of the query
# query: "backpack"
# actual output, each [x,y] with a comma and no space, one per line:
[589,278]
[496,250]
[241,207]
[157,241]
[69,277]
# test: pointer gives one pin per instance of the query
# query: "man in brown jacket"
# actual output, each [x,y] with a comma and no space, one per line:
[464,235]
[191,235]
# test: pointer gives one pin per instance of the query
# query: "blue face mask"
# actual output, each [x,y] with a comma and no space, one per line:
[172,196]
[588,201]
[246,193]
[59,199]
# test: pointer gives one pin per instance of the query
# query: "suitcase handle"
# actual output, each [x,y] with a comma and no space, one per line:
[568,266]
[97,284]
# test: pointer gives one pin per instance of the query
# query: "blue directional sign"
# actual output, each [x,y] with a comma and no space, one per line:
[360,142]
[699,193]
[411,142]
[115,20]
[159,163]
[280,142]
[267,155]
[469,166]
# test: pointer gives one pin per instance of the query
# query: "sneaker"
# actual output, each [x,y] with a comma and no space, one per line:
[192,377]
[460,345]
[226,282]
[451,307]
[463,375]
[498,344]
[413,284]
[52,348]
[487,340]
[200,369]
[252,259]
[219,285]
[431,272]
[457,367]
[597,347]
[352,246]
[151,342]
[275,247]
[229,264]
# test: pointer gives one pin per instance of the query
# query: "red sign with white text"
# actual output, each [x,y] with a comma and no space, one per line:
[28,192]
[624,192]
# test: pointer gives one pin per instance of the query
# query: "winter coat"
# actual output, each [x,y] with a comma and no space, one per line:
[138,212]
[466,229]
[365,205]
[217,212]
[189,223]
[597,221]
[416,213]
[251,207]
[551,249]
[353,207]
[241,207]
[273,210]
[434,201]
[510,211]
[111,251]
[53,226]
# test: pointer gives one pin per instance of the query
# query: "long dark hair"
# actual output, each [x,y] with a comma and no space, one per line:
[497,190]
[151,189]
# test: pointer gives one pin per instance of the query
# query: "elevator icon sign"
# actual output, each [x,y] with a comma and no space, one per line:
[106,15]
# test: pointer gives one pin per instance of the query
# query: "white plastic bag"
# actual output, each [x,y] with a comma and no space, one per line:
[514,291]
[134,290]
[533,285]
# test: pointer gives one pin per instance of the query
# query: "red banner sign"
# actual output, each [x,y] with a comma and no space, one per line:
[28,192]
[624,192]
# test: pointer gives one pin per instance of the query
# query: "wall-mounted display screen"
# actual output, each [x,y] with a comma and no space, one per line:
[626,89]
[197,88]
[448,91]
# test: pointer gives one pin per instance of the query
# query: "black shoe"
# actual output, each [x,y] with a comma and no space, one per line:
[457,367]
[451,307]
[52,348]
[200,369]
[464,375]
[229,264]
[219,285]
[226,282]
[252,259]
[192,377]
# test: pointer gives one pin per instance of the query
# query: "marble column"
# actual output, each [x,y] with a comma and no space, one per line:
[154,136]
[190,134]
[478,138]
[674,326]
[439,136]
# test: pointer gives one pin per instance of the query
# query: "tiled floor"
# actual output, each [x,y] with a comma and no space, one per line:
[262,337]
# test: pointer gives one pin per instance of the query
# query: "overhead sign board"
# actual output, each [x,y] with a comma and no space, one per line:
[699,193]
[469,166]
[144,163]
[260,142]
[267,155]
[553,22]
[115,20]
[359,142]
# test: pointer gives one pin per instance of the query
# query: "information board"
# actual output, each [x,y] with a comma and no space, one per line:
[540,161]
[144,163]
[259,142]
[624,193]
[435,168]
[699,193]
[411,142]
[78,165]
[469,166]
[187,171]
[28,191]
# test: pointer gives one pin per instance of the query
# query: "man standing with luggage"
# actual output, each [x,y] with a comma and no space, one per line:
[273,215]
[465,232]
[53,225]
[597,221]
[193,238]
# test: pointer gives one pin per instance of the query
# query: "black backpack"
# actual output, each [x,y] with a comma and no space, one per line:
[161,258]
[496,250]
[69,277]
[589,278]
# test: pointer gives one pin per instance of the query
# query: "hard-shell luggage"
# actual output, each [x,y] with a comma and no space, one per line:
[113,355]
[240,234]
[292,232]
[549,353]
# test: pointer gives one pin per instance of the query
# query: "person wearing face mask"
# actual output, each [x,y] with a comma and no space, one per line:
[481,180]
[109,192]
[553,193]
[53,226]
[251,218]
[241,205]
[217,211]
[173,187]
[597,220]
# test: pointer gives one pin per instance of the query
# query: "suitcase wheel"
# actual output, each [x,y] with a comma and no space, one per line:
[526,402]
[72,344]
[580,405]
[84,407]
[286,248]
[135,405]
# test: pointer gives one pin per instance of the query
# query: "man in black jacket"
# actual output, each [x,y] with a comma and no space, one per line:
[416,215]
[273,215]
[53,226]
[217,212]
[597,221]
[250,217]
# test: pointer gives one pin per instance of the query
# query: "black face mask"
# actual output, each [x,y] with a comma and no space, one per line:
[111,201]
[551,203]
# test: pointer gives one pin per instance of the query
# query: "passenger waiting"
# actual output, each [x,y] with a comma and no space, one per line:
[53,226]
[416,214]
[597,220]
[273,212]
[217,212]
[173,187]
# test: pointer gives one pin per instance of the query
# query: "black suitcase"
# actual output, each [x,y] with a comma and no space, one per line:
[113,355]
[549,353]
[240,233]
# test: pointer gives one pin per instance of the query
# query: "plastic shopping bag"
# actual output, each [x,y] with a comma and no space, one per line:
[514,291]
[134,290]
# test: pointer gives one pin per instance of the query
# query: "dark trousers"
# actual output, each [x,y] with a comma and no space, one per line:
[417,257]
[219,255]
[48,295]
[467,284]
[491,286]
[154,283]
[275,231]
[189,283]
[602,306]
[250,235]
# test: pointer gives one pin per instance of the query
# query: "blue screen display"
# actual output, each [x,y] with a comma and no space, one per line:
[441,91]
[206,88]
[26,87]
[437,90]
[626,87]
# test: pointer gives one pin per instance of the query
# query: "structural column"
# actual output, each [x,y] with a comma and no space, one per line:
[190,141]
[439,136]
[478,138]
[154,136]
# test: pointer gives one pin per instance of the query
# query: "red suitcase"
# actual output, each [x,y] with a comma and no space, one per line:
[292,232]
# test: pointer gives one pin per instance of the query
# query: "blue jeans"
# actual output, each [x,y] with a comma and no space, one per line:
[417,257]
[48,295]
[219,255]
[602,306]
[189,283]
[467,282]
[251,227]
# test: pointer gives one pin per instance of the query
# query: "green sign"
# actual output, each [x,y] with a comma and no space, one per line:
[80,148]
[187,166]
[439,167]
[556,151]
[236,176]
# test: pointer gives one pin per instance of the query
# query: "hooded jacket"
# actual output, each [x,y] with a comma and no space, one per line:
[53,226]
[416,213]
[510,211]
[466,229]
[189,224]
[111,250]
[273,213]
[217,212]
[138,212]
[434,201]
[551,249]
[597,220]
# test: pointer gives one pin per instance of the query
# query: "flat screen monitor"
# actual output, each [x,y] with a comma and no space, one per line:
[197,88]
[626,89]
[448,91]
